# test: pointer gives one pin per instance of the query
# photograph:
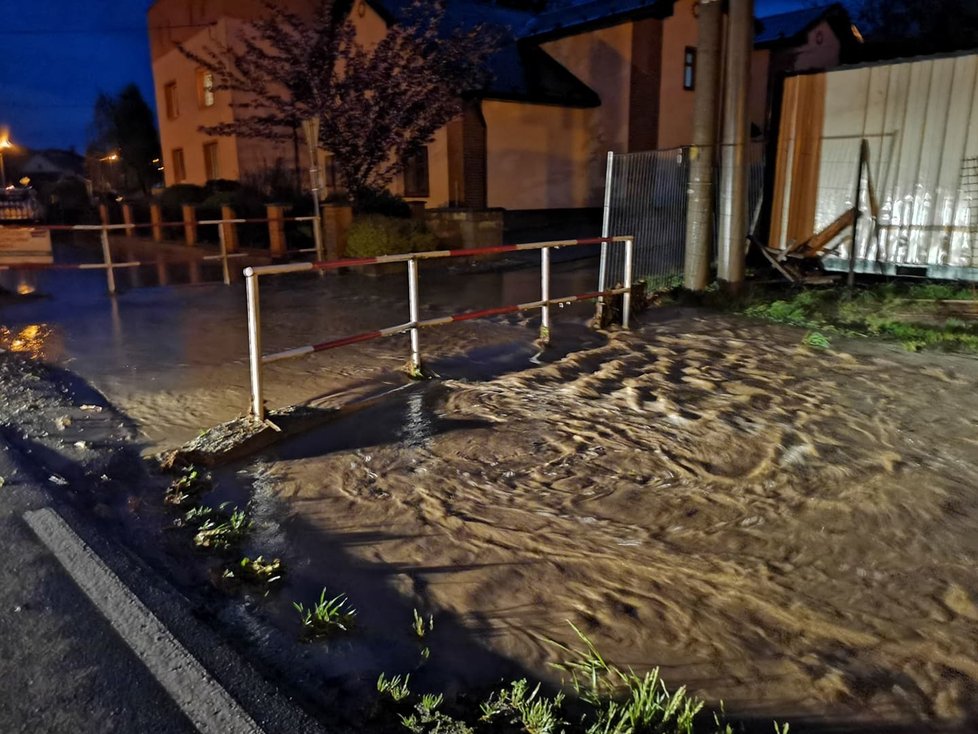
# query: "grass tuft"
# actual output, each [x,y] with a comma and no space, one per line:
[327,617]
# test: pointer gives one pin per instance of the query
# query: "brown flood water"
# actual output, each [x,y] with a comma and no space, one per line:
[793,532]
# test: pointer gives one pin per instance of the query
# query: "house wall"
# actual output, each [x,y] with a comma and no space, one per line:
[676,120]
[539,156]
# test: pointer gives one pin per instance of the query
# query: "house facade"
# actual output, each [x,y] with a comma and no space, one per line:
[570,84]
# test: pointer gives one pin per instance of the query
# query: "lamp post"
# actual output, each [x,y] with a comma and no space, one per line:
[5,144]
[110,158]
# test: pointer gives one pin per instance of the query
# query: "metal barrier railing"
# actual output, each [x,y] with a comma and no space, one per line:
[110,267]
[257,360]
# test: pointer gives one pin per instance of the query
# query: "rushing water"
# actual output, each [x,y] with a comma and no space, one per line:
[792,531]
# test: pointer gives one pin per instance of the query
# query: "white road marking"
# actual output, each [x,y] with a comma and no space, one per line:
[208,706]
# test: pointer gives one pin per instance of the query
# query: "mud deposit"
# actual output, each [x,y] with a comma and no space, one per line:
[792,531]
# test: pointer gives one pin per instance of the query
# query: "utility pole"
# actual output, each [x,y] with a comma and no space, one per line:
[734,164]
[702,153]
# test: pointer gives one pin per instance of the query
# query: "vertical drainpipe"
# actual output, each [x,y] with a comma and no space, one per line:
[732,220]
[702,153]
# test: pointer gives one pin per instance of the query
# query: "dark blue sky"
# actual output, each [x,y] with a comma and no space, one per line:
[56,55]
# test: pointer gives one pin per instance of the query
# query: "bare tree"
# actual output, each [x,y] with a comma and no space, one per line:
[375,103]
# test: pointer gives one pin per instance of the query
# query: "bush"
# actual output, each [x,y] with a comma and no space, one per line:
[180,194]
[384,203]
[372,235]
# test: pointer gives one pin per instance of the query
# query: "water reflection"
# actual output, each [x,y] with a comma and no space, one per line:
[34,340]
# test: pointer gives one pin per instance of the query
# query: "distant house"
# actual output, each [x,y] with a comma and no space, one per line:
[572,83]
[52,165]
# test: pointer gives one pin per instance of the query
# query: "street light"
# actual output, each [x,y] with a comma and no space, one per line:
[110,158]
[5,144]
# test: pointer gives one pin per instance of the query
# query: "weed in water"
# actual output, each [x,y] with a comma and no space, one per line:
[397,687]
[223,534]
[519,705]
[188,486]
[327,616]
[256,571]
[427,718]
[816,340]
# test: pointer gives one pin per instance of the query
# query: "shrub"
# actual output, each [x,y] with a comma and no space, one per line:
[179,194]
[373,235]
[383,202]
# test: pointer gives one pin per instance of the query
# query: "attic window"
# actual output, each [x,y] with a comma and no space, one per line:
[689,68]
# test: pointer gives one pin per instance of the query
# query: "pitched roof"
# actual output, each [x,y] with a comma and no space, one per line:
[791,27]
[578,15]
[519,71]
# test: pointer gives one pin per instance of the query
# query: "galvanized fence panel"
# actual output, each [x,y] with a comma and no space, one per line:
[647,198]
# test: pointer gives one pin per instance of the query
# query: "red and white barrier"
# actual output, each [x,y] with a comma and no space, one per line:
[257,360]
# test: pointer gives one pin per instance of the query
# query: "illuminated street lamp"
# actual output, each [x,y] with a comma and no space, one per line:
[110,158]
[5,145]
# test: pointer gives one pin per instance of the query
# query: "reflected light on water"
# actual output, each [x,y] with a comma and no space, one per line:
[31,340]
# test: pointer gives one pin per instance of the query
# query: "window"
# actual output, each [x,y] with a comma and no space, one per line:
[212,169]
[179,168]
[416,173]
[689,68]
[205,88]
[170,99]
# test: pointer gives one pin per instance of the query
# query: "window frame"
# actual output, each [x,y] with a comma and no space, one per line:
[206,96]
[211,145]
[689,68]
[179,165]
[417,182]
[171,101]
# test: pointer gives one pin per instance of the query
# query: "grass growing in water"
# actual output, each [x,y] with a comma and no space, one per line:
[220,531]
[327,617]
[609,700]
[917,315]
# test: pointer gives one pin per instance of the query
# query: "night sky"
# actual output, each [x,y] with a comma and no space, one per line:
[57,55]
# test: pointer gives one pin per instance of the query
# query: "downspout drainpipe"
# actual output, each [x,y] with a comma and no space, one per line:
[734,164]
[702,153]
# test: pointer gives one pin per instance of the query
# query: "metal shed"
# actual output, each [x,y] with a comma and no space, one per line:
[918,187]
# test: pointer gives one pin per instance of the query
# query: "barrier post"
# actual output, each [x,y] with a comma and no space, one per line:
[103,213]
[127,219]
[545,295]
[605,232]
[626,300]
[276,231]
[156,219]
[190,224]
[414,316]
[230,230]
[254,344]
[222,237]
[107,258]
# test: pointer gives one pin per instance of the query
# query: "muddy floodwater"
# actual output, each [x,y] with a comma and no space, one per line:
[792,531]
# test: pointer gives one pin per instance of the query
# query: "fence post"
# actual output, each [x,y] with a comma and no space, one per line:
[107,259]
[189,224]
[127,219]
[156,219]
[605,232]
[545,295]
[276,230]
[863,155]
[626,301]
[230,229]
[254,344]
[222,237]
[414,316]
[103,213]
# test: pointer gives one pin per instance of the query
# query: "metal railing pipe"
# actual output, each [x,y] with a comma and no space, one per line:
[254,344]
[545,294]
[413,315]
[107,258]
[626,299]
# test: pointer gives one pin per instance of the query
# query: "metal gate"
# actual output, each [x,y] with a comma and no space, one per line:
[645,196]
